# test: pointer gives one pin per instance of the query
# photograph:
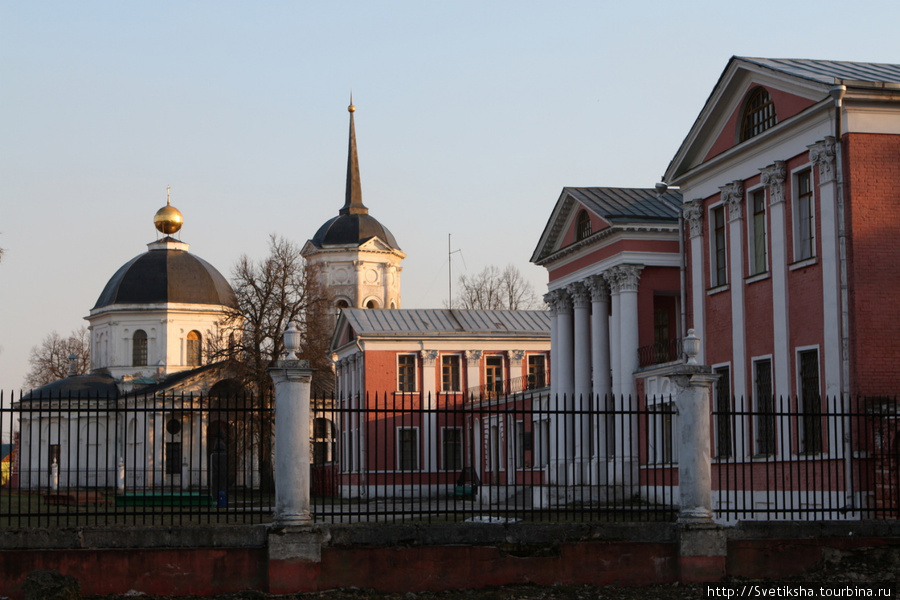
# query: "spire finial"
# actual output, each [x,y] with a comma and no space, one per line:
[168,195]
[353,204]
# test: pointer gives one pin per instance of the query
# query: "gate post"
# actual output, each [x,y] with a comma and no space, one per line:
[292,379]
[701,542]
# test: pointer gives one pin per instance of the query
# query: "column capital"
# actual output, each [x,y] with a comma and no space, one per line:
[693,214]
[733,196]
[581,297]
[599,288]
[429,357]
[624,278]
[473,355]
[291,370]
[822,155]
[773,178]
[561,301]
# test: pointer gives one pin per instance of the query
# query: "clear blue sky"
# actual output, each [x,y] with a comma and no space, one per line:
[472,116]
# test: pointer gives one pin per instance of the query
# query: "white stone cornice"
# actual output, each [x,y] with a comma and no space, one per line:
[693,214]
[429,357]
[598,286]
[472,355]
[733,196]
[773,178]
[822,155]
[581,297]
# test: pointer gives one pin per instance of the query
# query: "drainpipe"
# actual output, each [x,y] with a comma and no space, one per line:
[837,92]
[661,189]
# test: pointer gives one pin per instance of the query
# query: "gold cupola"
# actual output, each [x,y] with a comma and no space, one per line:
[168,219]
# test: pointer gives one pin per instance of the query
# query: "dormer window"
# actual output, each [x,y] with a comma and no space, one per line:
[582,226]
[759,114]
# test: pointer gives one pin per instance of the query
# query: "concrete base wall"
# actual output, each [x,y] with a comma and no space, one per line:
[205,561]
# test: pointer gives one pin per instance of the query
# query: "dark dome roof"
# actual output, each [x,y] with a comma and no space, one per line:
[94,385]
[353,229]
[167,275]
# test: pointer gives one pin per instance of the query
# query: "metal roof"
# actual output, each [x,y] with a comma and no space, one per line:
[408,322]
[628,204]
[832,72]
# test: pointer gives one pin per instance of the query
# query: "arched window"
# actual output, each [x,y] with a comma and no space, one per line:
[371,304]
[759,114]
[582,226]
[139,348]
[194,344]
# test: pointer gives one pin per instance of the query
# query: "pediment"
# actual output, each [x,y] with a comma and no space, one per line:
[560,229]
[716,129]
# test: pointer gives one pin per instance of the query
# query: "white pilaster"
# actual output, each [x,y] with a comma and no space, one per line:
[430,434]
[693,214]
[733,196]
[773,177]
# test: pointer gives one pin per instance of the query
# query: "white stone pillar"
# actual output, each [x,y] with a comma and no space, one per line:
[693,215]
[733,196]
[581,300]
[601,378]
[554,342]
[628,278]
[561,446]
[692,382]
[292,380]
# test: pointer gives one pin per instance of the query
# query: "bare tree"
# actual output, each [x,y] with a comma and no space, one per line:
[50,360]
[271,293]
[493,289]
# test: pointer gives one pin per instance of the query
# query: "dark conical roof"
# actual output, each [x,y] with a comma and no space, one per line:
[353,225]
[165,274]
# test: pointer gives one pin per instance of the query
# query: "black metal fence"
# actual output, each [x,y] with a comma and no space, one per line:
[173,460]
[448,457]
[780,459]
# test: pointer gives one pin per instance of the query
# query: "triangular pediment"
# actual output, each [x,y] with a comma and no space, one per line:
[716,129]
[606,208]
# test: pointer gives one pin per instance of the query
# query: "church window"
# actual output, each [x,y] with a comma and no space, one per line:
[139,349]
[371,304]
[194,345]
[582,226]
[759,114]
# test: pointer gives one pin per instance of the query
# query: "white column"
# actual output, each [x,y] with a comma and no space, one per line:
[693,214]
[626,278]
[614,330]
[581,299]
[549,299]
[561,446]
[733,196]
[600,368]
[773,176]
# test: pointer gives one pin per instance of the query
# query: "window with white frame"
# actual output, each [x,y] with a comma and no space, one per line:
[810,401]
[758,114]
[722,403]
[493,374]
[804,217]
[764,402]
[757,234]
[450,373]
[408,449]
[717,251]
[451,448]
[406,372]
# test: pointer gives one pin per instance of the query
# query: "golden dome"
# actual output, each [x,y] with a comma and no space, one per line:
[168,219]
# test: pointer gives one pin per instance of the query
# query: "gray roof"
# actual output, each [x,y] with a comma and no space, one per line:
[832,72]
[628,204]
[445,322]
[167,275]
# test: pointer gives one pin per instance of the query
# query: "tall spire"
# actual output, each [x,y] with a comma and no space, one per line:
[353,204]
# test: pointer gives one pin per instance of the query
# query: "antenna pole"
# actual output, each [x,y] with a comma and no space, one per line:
[449,275]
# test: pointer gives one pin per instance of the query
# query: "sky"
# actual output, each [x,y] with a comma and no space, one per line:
[471,118]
